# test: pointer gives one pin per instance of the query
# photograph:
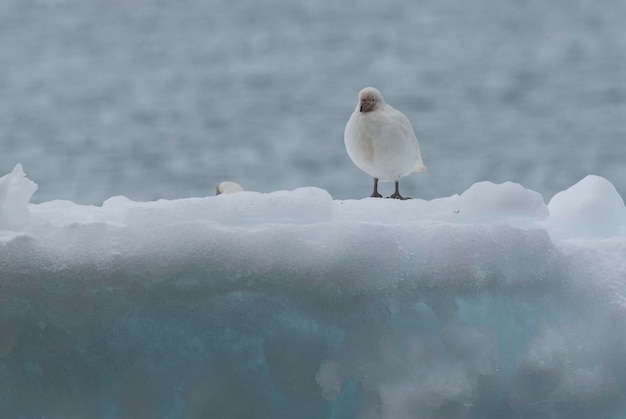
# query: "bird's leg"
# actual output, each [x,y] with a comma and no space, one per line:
[396,194]
[375,193]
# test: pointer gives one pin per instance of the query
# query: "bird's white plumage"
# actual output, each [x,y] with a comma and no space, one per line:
[380,139]
[228,187]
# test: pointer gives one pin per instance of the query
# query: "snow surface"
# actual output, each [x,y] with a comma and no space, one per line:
[488,304]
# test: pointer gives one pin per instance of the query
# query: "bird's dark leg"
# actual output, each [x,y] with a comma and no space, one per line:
[375,193]
[396,194]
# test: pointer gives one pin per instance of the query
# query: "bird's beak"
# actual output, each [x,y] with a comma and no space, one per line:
[361,108]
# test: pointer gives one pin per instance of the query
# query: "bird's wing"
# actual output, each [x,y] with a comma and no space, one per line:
[398,125]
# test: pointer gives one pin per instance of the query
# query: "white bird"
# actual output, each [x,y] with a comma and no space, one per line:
[381,142]
[228,187]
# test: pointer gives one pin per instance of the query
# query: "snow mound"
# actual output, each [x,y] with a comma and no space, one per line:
[15,193]
[486,200]
[292,304]
[590,208]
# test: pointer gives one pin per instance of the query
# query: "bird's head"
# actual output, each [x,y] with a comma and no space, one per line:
[370,99]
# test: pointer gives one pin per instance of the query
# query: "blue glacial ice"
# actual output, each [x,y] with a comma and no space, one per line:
[488,304]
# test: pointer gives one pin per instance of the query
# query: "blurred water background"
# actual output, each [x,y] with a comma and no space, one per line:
[165,98]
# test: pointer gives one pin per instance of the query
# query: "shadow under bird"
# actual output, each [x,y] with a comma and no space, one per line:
[381,142]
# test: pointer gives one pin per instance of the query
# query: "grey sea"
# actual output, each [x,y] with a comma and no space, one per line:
[159,99]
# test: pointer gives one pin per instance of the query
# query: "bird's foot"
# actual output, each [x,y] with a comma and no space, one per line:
[396,195]
[376,195]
